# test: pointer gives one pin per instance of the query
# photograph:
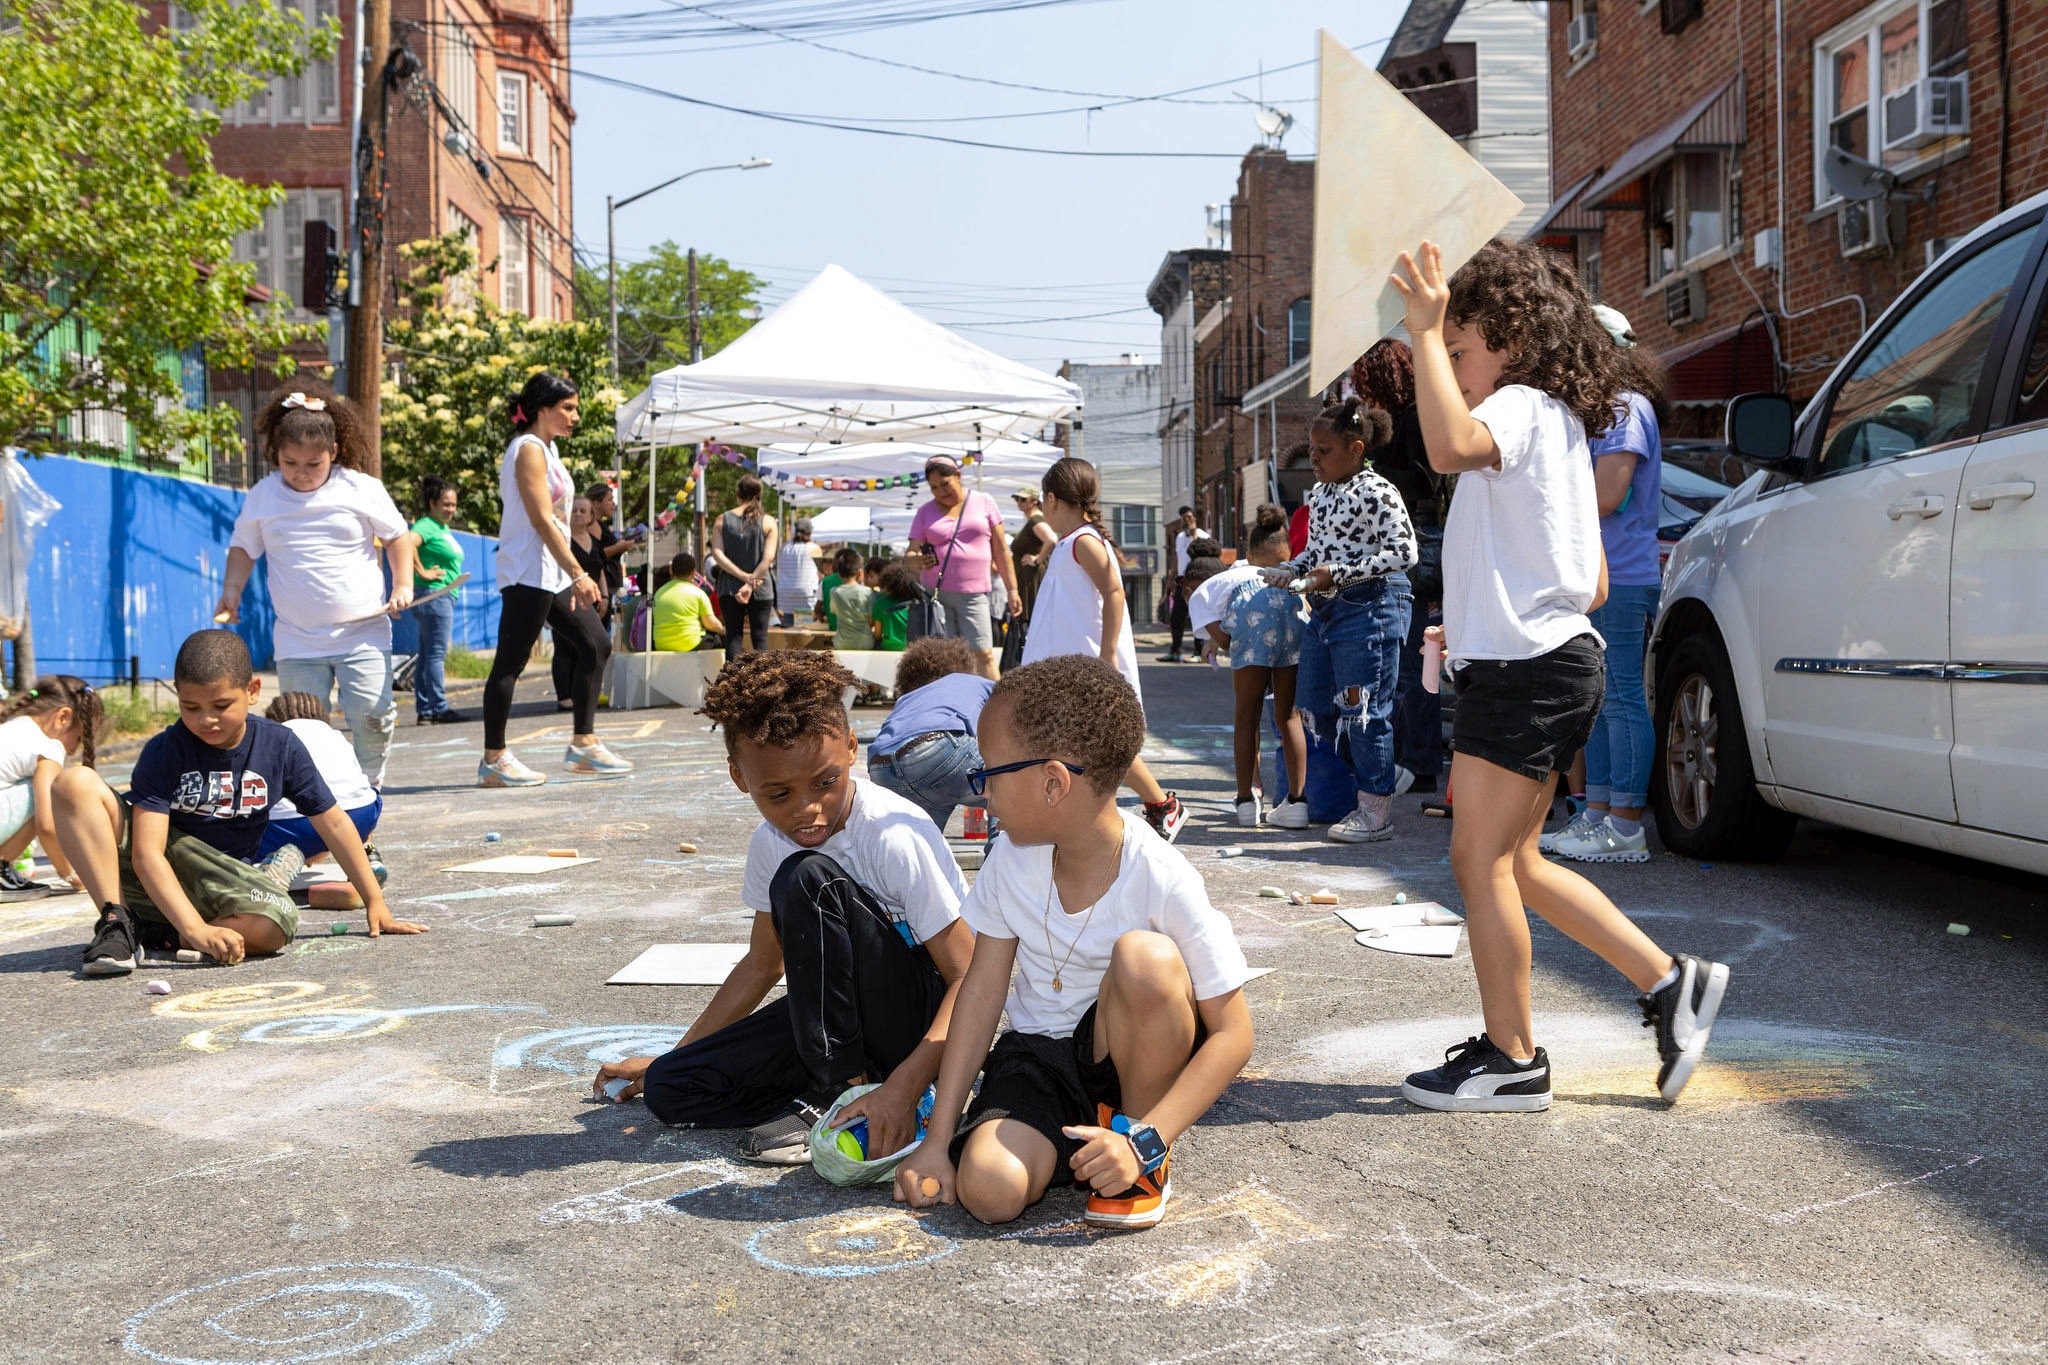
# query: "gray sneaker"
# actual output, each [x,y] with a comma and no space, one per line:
[1601,842]
[1547,843]
[1370,823]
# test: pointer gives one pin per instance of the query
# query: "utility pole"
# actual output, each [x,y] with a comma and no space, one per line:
[696,332]
[611,288]
[366,332]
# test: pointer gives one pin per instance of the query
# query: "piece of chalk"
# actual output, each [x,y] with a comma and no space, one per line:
[190,955]
[1400,898]
[686,848]
[492,837]
[1232,852]
[1323,898]
[158,988]
[220,618]
[929,1187]
[1297,899]
[1273,892]
[1959,928]
[553,921]
[615,1087]
[340,926]
[561,853]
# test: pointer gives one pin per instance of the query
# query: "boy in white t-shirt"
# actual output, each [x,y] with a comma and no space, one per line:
[305,715]
[1127,1015]
[856,901]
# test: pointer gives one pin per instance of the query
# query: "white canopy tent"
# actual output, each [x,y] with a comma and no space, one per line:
[849,522]
[997,467]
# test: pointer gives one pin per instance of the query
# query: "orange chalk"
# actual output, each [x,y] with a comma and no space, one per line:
[561,853]
[930,1187]
[1322,898]
[686,848]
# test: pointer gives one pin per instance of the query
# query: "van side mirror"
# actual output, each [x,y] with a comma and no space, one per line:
[1759,428]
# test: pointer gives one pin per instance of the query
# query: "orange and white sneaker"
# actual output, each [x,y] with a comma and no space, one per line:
[1140,1206]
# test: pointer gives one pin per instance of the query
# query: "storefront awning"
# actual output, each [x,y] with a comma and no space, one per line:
[1713,124]
[1567,216]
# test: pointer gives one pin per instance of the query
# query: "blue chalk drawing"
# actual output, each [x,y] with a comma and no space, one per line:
[576,1050]
[299,1314]
[854,1242]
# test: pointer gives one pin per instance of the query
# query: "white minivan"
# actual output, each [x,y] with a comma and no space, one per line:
[1860,632]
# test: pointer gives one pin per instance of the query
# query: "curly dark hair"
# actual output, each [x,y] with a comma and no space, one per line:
[777,697]
[288,418]
[295,706]
[1385,375]
[899,582]
[1269,523]
[932,657]
[1526,303]
[1354,419]
[1078,709]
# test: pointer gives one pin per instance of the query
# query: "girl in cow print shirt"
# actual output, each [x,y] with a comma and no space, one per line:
[1360,542]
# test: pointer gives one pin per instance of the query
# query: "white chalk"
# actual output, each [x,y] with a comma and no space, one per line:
[190,955]
[553,921]
[158,988]
[614,1087]
[1959,928]
[1232,852]
[1400,898]
[1273,892]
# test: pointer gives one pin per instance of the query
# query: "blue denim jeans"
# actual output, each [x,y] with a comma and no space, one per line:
[1623,748]
[362,677]
[436,620]
[1350,667]
[933,775]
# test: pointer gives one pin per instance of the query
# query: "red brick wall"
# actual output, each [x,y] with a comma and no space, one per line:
[1640,78]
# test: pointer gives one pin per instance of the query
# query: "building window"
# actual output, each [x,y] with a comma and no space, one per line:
[1582,28]
[1589,267]
[512,264]
[311,97]
[458,74]
[276,246]
[461,293]
[1686,212]
[543,271]
[1298,320]
[1889,82]
[511,112]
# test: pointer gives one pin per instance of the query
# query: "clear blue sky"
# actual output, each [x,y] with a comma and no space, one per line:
[966,235]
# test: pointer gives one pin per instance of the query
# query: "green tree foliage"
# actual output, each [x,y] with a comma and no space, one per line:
[116,233]
[654,308]
[455,364]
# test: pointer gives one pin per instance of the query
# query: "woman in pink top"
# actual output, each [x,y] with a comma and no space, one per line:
[963,536]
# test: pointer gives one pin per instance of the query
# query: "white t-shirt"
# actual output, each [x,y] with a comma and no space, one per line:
[324,566]
[890,847]
[22,742]
[1206,603]
[796,577]
[1156,888]
[1522,543]
[335,757]
[523,557]
[1181,541]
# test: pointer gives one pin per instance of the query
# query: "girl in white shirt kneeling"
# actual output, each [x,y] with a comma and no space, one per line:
[1127,1012]
[1511,368]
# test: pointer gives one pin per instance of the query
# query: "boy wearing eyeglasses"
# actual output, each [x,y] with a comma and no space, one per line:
[1127,1015]
[856,900]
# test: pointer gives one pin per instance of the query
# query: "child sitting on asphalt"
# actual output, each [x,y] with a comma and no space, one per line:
[305,715]
[856,900]
[1123,1033]
[170,860]
[59,716]
[926,748]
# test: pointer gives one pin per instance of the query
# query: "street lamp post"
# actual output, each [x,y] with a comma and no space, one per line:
[612,206]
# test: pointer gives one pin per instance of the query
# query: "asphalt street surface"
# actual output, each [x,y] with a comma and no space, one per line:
[384,1151]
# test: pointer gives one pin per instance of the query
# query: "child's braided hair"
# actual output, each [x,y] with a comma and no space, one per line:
[1528,305]
[777,697]
[54,692]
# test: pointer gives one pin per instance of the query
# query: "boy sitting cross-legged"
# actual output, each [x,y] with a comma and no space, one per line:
[1127,1018]
[168,863]
[856,900]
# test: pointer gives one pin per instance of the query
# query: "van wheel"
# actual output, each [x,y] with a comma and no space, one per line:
[1704,790]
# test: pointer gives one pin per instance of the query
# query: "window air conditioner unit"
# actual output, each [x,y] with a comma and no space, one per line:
[1580,36]
[1685,299]
[1864,227]
[1927,111]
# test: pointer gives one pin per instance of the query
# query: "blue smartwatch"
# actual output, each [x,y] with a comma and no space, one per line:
[1145,1141]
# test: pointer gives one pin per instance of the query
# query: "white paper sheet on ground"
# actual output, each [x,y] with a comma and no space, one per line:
[1416,940]
[523,863]
[1368,137]
[681,964]
[1388,916]
[1255,973]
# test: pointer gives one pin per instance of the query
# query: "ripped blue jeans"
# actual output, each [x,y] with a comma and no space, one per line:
[1350,670]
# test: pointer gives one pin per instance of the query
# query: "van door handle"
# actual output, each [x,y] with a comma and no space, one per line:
[1983,499]
[1929,505]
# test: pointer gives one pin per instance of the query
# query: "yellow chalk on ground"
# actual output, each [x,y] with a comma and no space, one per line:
[686,848]
[1323,898]
[562,853]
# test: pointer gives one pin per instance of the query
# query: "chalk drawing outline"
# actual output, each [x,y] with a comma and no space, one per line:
[616,1206]
[855,1230]
[609,1043]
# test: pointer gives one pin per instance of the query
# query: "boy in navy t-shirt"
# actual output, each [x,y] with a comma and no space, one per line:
[170,860]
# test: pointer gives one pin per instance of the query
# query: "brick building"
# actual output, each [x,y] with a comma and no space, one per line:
[1186,286]
[478,141]
[1688,177]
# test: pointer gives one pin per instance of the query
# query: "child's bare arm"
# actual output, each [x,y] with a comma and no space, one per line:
[46,819]
[1094,558]
[240,565]
[338,832]
[1456,441]
[972,1027]
[891,1108]
[1600,592]
[148,832]
[744,989]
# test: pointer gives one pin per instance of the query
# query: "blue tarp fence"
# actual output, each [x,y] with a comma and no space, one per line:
[133,564]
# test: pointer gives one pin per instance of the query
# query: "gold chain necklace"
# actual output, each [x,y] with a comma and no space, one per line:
[1058,968]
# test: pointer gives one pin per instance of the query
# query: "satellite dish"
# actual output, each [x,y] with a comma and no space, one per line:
[1274,123]
[1854,178]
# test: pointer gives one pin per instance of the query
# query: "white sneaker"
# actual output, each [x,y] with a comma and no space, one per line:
[1370,823]
[507,771]
[1601,842]
[1547,843]
[1403,779]
[1289,815]
[1250,812]
[596,759]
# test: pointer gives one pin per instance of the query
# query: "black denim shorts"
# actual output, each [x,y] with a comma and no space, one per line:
[1530,715]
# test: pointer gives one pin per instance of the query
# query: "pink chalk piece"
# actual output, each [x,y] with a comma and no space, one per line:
[1432,665]
[158,988]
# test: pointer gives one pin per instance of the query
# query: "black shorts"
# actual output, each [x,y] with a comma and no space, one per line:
[1530,715]
[1049,1084]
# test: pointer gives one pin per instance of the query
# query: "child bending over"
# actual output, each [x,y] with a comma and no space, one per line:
[305,715]
[926,748]
[60,715]
[1127,1018]
[169,861]
[1511,369]
[856,900]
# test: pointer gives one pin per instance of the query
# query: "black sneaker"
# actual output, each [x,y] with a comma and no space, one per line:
[377,868]
[446,718]
[784,1140]
[15,887]
[1683,1015]
[153,936]
[1167,817]
[112,950]
[1478,1078]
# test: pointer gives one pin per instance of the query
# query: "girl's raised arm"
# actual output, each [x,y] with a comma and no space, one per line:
[1455,440]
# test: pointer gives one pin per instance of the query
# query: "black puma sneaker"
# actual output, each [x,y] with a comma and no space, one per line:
[1478,1078]
[1683,1015]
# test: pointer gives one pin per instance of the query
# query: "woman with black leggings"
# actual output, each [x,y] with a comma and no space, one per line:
[542,584]
[743,549]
